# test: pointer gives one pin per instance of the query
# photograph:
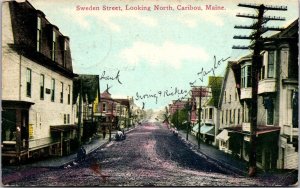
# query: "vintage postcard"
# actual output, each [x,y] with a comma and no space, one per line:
[149,93]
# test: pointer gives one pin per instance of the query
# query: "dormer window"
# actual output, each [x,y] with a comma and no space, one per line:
[65,53]
[53,46]
[39,34]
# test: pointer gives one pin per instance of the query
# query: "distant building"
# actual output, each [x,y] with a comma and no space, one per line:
[89,88]
[209,129]
[36,85]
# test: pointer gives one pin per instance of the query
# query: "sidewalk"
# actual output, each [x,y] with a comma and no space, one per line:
[91,146]
[222,158]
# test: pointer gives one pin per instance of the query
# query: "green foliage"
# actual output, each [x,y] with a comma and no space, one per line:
[179,117]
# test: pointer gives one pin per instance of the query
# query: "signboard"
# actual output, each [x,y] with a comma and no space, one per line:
[30,131]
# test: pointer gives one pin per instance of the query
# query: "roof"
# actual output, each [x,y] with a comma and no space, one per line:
[289,31]
[215,83]
[236,72]
[261,129]
[24,25]
[90,87]
[123,101]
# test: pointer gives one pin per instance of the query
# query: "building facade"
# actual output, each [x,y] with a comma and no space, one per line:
[36,81]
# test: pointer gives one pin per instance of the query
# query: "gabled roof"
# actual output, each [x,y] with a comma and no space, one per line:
[236,72]
[290,31]
[90,87]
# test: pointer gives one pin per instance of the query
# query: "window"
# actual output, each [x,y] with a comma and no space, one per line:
[53,46]
[42,88]
[65,53]
[104,107]
[68,118]
[230,118]
[229,98]
[39,34]
[28,82]
[233,119]
[271,70]
[52,90]
[226,117]
[65,118]
[62,92]
[262,73]
[238,116]
[222,116]
[210,113]
[69,94]
[246,76]
[270,116]
[224,96]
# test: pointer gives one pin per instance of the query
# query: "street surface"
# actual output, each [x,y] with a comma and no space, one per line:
[150,156]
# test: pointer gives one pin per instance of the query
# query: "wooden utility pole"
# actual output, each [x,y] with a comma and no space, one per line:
[199,115]
[80,113]
[257,45]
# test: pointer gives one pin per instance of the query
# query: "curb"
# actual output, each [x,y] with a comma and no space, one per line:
[222,164]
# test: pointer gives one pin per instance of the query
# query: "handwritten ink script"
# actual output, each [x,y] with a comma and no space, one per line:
[204,72]
[161,94]
[106,77]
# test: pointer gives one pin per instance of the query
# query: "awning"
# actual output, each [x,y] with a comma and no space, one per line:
[207,129]
[223,135]
[62,128]
[196,128]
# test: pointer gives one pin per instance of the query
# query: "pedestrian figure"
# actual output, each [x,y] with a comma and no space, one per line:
[81,154]
[104,131]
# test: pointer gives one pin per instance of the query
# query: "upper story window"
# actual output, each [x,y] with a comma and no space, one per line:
[42,86]
[28,82]
[69,94]
[246,76]
[53,46]
[52,89]
[271,64]
[104,107]
[224,96]
[39,34]
[62,92]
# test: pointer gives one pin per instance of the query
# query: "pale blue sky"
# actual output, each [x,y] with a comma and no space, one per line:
[154,50]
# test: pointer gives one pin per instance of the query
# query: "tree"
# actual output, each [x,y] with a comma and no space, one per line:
[179,117]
